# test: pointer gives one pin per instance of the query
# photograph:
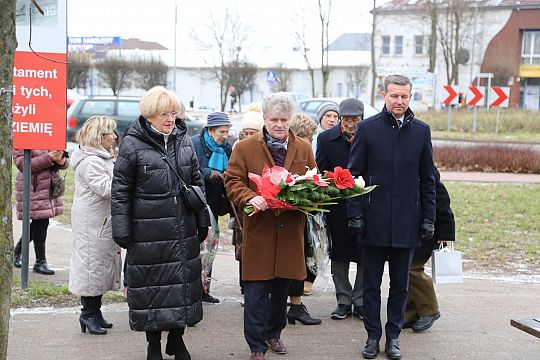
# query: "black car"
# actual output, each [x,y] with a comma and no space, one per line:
[123,109]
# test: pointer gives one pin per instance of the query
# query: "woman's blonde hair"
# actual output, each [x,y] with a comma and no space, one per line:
[93,129]
[157,100]
[302,126]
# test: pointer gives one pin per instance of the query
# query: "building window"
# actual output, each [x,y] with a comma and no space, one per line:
[530,53]
[386,45]
[398,45]
[418,44]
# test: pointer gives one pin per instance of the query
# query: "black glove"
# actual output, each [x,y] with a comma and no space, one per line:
[427,229]
[202,233]
[356,225]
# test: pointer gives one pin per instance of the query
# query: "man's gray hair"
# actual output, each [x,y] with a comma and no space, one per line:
[278,104]
[396,80]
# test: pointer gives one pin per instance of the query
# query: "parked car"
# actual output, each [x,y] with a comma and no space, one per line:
[311,106]
[296,97]
[71,97]
[123,109]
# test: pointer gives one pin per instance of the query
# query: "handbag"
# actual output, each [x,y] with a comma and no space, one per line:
[446,267]
[58,186]
[193,194]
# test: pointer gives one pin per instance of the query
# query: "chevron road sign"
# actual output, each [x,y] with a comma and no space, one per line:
[452,98]
[499,96]
[475,96]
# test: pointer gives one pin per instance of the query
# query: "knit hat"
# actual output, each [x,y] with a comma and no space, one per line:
[326,107]
[253,118]
[351,107]
[218,119]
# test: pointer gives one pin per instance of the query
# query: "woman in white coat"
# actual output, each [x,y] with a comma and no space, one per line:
[95,264]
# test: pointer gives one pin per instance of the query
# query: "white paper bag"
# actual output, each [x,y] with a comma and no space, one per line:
[446,265]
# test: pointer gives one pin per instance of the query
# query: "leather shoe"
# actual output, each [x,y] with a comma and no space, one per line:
[41,267]
[425,322]
[17,261]
[299,313]
[209,299]
[371,349]
[256,356]
[276,346]
[391,348]
[407,324]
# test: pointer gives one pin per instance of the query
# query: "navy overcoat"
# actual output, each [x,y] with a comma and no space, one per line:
[333,150]
[400,162]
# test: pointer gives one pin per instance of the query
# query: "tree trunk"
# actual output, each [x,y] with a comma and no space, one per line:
[373,63]
[433,38]
[8,44]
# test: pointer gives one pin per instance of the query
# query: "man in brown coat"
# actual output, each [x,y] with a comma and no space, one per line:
[273,241]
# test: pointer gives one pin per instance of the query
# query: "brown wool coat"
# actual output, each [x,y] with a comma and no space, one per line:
[273,242]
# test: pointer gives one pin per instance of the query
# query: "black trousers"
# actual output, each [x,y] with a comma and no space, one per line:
[265,311]
[399,265]
[38,234]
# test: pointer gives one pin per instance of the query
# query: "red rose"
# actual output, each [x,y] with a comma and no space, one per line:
[342,178]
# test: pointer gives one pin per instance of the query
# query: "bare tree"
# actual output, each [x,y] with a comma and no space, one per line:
[324,15]
[149,72]
[357,78]
[373,62]
[302,47]
[115,73]
[453,25]
[283,78]
[78,71]
[225,35]
[8,44]
[429,13]
[241,77]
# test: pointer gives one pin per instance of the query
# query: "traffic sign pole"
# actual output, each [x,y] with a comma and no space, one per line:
[449,118]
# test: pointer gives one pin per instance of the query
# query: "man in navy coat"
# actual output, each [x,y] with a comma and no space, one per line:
[333,149]
[392,150]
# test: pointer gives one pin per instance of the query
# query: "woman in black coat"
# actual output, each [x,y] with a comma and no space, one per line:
[151,219]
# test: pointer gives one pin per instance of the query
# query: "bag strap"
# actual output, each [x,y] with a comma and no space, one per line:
[182,182]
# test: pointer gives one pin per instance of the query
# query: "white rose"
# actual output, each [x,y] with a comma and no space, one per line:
[359,182]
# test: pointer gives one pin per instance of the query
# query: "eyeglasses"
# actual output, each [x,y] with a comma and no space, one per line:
[165,115]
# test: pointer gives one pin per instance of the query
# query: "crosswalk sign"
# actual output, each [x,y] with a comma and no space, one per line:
[271,76]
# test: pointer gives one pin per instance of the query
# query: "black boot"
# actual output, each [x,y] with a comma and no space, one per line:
[41,266]
[175,345]
[300,313]
[104,323]
[89,316]
[154,345]
[17,259]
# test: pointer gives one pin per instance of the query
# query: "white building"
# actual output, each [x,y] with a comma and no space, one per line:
[494,33]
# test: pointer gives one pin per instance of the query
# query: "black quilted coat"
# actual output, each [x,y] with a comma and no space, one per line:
[151,220]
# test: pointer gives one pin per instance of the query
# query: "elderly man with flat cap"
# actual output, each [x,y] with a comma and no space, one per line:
[333,150]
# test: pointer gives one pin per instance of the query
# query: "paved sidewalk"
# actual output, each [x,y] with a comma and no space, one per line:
[474,323]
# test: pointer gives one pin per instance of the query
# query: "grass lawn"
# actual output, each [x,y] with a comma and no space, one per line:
[497,226]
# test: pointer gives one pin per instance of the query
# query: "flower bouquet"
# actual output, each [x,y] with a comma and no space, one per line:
[208,252]
[307,193]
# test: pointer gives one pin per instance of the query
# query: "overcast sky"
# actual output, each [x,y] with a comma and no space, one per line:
[272,23]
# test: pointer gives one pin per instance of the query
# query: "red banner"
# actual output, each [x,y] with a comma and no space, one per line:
[39,101]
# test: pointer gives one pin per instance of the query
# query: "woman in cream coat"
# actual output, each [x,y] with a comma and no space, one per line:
[95,260]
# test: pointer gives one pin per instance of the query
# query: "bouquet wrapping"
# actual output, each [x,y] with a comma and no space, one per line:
[209,249]
[317,247]
[308,193]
